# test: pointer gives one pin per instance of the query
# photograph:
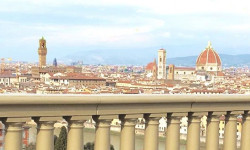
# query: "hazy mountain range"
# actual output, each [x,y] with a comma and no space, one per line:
[227,60]
[143,57]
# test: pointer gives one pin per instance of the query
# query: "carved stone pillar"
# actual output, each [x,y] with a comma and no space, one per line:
[102,133]
[128,132]
[193,133]
[245,133]
[45,132]
[151,133]
[230,135]
[75,132]
[212,136]
[13,134]
[173,132]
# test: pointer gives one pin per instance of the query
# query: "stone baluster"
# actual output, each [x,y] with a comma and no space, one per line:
[173,131]
[45,132]
[102,133]
[128,123]
[151,131]
[230,131]
[245,134]
[193,133]
[13,134]
[75,132]
[212,136]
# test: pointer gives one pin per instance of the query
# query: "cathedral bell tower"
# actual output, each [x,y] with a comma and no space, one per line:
[162,64]
[42,52]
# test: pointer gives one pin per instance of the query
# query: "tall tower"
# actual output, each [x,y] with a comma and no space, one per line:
[171,72]
[161,64]
[42,52]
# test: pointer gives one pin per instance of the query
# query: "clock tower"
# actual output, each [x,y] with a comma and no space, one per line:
[42,52]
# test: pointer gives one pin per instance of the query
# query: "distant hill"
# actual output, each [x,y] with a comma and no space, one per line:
[227,60]
[139,57]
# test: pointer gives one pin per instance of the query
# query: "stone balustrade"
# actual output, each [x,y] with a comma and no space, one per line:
[45,110]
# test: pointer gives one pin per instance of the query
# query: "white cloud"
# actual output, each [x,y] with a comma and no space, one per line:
[166,34]
[149,6]
[238,27]
[73,35]
[148,22]
[185,36]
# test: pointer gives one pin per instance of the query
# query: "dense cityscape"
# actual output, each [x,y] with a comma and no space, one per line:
[124,75]
[157,77]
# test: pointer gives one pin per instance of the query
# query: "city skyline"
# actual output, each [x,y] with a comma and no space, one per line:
[109,26]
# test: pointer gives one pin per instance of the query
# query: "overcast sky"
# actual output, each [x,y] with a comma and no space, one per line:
[182,27]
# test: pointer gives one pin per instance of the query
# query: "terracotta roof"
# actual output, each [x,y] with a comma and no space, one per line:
[220,74]
[209,55]
[77,76]
[151,66]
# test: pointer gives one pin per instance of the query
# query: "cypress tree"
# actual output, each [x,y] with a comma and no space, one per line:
[61,142]
[90,146]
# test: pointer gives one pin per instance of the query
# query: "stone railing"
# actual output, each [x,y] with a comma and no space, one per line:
[45,110]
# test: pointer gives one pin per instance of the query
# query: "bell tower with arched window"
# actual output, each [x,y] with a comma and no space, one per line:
[42,52]
[161,74]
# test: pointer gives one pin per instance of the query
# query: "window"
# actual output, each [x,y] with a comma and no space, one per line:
[184,72]
[202,68]
[211,68]
[160,60]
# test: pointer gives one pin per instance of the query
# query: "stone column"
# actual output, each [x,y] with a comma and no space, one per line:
[245,133]
[75,132]
[45,132]
[13,136]
[75,135]
[173,132]
[151,133]
[102,133]
[212,136]
[127,133]
[193,133]
[230,135]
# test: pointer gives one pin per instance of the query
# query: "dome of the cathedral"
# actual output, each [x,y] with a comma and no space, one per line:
[208,56]
[151,65]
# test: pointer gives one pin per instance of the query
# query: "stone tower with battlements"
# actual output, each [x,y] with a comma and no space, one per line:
[42,52]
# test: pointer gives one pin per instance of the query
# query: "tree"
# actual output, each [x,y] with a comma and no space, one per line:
[61,142]
[90,146]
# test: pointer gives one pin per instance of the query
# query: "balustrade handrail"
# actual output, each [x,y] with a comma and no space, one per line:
[112,104]
[120,98]
[45,110]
